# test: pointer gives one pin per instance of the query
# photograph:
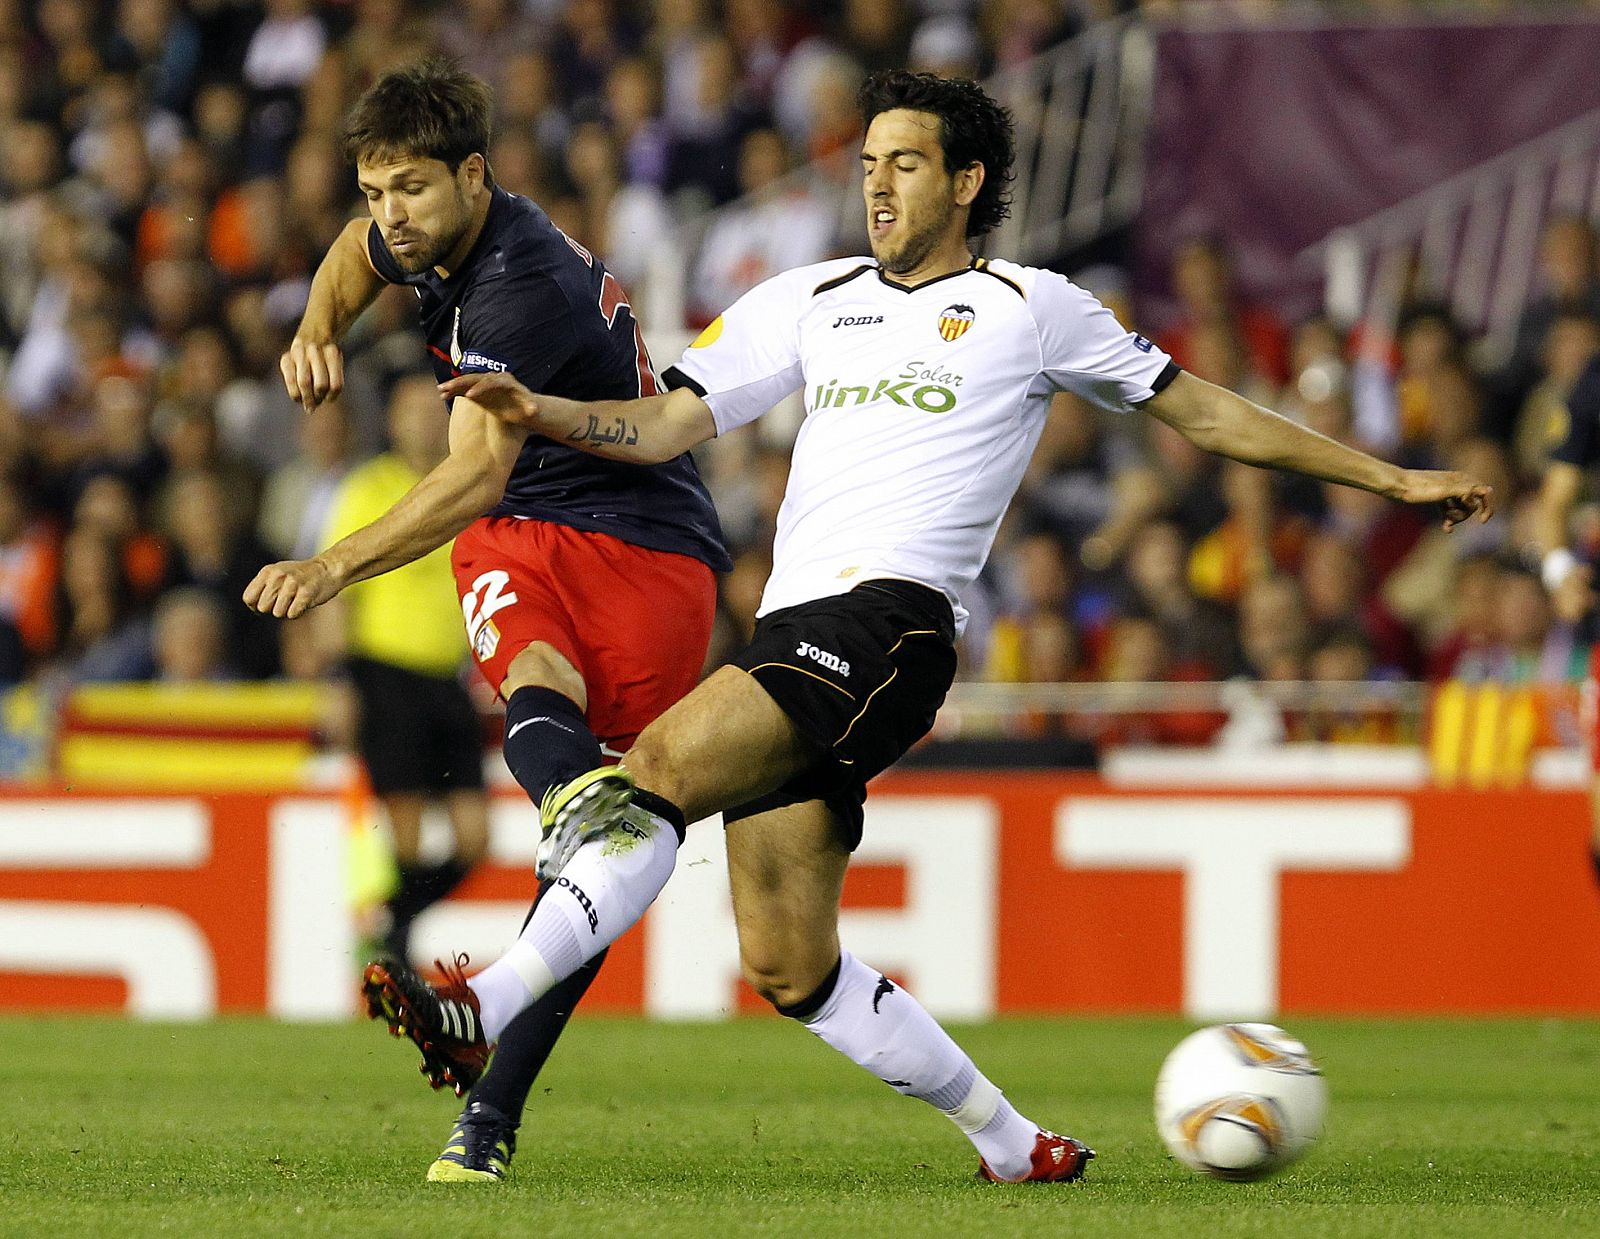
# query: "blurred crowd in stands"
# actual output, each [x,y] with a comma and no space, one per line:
[170,173]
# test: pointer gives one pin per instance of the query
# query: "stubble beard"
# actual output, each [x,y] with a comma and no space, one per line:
[426,255]
[915,249]
[417,260]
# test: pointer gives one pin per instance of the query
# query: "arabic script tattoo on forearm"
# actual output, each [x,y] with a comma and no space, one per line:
[615,430]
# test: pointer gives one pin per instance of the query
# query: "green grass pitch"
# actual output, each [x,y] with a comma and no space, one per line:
[1448,1128]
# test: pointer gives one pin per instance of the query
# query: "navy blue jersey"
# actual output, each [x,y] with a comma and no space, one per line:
[1580,445]
[530,300]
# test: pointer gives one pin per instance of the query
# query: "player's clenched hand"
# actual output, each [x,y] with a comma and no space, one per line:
[291,588]
[1460,494]
[501,394]
[313,372]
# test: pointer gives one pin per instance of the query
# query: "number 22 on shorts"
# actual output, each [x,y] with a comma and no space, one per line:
[479,605]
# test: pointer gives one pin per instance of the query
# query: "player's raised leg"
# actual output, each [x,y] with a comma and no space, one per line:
[786,867]
[738,744]
[610,880]
[548,738]
[778,715]
[605,890]
[644,658]
[659,610]
[547,743]
[724,743]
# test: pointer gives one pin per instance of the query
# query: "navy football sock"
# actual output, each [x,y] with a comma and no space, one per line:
[527,1041]
[548,742]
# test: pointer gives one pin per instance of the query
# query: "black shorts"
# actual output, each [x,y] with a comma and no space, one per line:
[417,733]
[862,675]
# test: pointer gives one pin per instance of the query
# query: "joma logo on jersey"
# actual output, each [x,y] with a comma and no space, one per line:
[925,387]
[831,661]
[858,320]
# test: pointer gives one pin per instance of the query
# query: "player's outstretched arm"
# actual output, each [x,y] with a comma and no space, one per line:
[461,488]
[345,285]
[1223,422]
[646,431]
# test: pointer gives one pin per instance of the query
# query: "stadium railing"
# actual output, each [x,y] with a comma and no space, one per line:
[1475,236]
[1462,734]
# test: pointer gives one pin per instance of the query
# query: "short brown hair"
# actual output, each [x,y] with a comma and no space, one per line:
[432,109]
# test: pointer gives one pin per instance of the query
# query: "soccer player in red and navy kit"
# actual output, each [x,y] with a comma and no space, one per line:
[587,585]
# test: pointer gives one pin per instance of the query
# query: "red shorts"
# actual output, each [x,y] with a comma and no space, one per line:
[634,622]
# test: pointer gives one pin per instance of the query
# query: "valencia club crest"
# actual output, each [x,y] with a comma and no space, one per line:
[954,321]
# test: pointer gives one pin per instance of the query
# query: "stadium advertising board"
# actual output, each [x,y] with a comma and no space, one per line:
[987,893]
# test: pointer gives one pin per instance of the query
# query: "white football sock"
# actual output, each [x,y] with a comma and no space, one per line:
[874,1022]
[604,889]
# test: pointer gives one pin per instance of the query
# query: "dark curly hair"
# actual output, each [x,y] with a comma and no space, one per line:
[431,109]
[973,128]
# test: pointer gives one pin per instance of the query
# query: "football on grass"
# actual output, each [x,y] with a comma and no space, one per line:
[1239,1101]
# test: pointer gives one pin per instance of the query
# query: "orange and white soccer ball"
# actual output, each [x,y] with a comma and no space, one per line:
[1239,1101]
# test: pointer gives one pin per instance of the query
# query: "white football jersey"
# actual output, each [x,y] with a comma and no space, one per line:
[923,406]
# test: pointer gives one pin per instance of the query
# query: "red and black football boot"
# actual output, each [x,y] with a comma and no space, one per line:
[442,1021]
[1056,1159]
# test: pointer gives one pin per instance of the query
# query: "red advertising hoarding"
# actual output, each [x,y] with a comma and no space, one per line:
[987,892]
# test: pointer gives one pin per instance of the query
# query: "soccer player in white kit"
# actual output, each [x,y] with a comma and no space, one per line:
[926,376]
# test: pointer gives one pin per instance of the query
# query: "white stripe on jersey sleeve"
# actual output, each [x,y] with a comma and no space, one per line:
[749,358]
[1084,350]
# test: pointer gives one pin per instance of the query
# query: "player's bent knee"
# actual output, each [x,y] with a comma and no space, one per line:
[543,666]
[662,763]
[652,767]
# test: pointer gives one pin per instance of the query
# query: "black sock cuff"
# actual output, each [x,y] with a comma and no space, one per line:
[660,806]
[813,1002]
[535,698]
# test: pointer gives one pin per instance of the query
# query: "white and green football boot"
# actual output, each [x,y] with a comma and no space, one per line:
[583,809]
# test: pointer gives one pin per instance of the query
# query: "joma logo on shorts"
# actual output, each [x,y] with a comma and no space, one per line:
[831,661]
